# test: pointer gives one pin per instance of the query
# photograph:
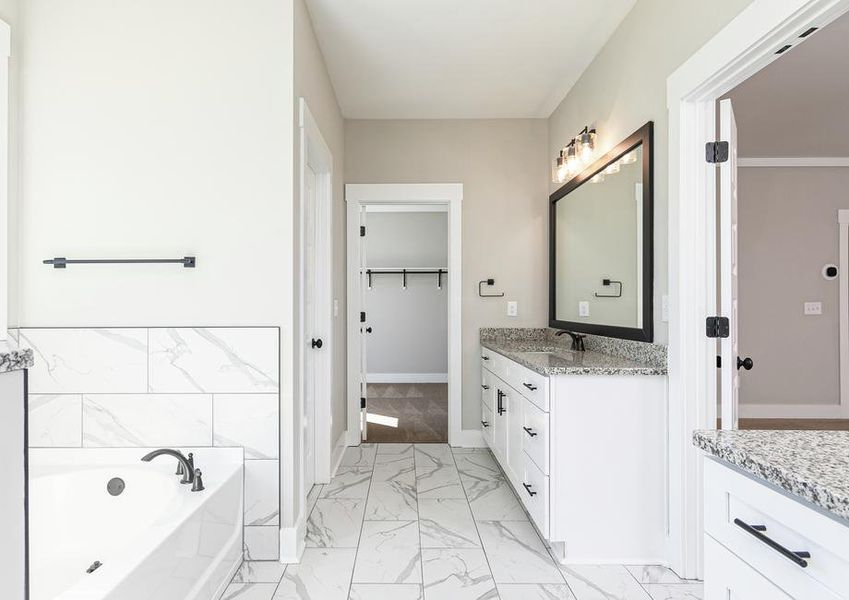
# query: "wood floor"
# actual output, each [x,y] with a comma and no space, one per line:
[794,424]
[407,412]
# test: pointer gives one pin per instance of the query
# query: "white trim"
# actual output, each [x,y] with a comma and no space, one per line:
[792,411]
[746,45]
[843,316]
[338,454]
[407,377]
[450,195]
[468,438]
[794,161]
[394,208]
[5,51]
[315,152]
[293,541]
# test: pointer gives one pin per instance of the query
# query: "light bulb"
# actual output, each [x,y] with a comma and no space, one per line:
[572,162]
[559,170]
[587,143]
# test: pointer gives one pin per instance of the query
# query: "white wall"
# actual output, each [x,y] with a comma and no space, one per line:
[503,167]
[409,326]
[9,10]
[12,545]
[625,86]
[787,232]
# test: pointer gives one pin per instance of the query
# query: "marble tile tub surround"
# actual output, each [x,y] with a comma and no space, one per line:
[604,355]
[161,386]
[465,539]
[813,465]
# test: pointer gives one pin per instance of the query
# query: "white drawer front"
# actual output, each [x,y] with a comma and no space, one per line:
[534,494]
[494,362]
[727,576]
[532,385]
[486,423]
[747,516]
[488,386]
[535,435]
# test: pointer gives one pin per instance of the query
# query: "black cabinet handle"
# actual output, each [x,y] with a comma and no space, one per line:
[484,386]
[368,330]
[501,409]
[757,532]
[530,431]
[530,386]
[484,358]
[484,423]
[528,489]
[317,343]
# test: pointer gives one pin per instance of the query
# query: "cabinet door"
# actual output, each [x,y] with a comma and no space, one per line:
[515,422]
[500,425]
[728,577]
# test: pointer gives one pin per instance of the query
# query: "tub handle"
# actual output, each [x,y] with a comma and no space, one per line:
[197,484]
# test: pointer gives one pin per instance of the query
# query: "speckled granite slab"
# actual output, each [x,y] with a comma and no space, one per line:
[604,356]
[813,465]
[13,358]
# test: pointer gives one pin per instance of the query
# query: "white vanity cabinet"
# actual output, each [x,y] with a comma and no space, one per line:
[585,453]
[760,543]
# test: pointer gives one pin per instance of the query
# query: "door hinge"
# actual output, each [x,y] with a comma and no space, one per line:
[716,152]
[717,327]
[362,231]
[362,402]
[718,362]
[362,316]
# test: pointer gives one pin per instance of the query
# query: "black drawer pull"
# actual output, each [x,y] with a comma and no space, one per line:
[485,424]
[484,386]
[530,431]
[757,531]
[530,386]
[484,358]
[528,489]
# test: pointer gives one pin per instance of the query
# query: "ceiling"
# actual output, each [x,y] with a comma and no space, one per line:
[448,59]
[799,104]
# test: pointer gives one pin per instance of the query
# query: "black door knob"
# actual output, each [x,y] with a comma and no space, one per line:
[745,363]
[317,343]
[368,329]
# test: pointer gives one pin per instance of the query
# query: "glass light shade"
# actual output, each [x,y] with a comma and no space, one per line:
[587,145]
[559,170]
[612,168]
[629,158]
[572,162]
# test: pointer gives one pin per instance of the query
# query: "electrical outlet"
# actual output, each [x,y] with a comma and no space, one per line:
[512,309]
[664,308]
[813,308]
[583,309]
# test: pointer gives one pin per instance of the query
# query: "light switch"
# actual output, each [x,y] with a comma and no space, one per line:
[583,309]
[813,308]
[512,309]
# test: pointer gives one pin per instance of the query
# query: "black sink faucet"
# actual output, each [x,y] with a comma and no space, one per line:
[577,340]
[186,467]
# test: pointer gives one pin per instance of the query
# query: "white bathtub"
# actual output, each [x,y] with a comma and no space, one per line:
[156,540]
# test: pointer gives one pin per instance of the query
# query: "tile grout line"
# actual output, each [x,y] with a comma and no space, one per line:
[418,520]
[362,522]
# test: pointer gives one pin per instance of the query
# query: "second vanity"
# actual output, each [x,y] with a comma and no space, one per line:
[581,437]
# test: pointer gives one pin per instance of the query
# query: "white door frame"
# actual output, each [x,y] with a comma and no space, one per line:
[843,317]
[450,194]
[743,47]
[316,153]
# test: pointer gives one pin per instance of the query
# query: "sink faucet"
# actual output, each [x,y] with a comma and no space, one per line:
[577,340]
[186,466]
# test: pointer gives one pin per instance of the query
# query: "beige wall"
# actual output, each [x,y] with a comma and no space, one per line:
[312,82]
[625,86]
[787,232]
[503,166]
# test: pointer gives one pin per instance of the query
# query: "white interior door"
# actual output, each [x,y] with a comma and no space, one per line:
[730,373]
[310,324]
[363,324]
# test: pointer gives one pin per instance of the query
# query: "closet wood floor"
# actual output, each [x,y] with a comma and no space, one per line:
[428,522]
[408,412]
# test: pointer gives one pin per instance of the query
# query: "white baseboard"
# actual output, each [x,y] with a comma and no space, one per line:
[467,438]
[407,378]
[338,453]
[292,541]
[793,411]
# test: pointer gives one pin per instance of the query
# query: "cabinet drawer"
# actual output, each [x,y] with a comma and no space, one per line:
[488,386]
[535,435]
[486,423]
[494,362]
[727,576]
[532,385]
[749,517]
[534,495]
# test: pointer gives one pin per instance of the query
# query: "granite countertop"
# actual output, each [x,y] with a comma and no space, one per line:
[567,362]
[813,465]
[13,358]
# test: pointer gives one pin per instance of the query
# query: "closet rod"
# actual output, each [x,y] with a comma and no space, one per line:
[404,272]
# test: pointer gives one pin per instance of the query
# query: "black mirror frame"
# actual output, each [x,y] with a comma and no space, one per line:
[645,136]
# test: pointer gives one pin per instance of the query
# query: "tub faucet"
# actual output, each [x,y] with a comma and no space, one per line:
[187,464]
[577,340]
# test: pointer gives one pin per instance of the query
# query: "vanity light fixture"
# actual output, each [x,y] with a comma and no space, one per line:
[576,155]
[629,158]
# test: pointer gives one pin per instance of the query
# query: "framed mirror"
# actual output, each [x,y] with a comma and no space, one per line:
[602,244]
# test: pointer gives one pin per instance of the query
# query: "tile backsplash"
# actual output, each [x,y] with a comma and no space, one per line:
[163,386]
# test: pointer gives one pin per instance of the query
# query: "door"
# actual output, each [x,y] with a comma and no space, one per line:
[311,343]
[729,372]
[515,433]
[363,290]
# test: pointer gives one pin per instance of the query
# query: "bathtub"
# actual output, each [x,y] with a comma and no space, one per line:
[155,540]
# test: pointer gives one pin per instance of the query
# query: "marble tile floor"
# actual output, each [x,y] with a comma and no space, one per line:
[427,522]
[421,411]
